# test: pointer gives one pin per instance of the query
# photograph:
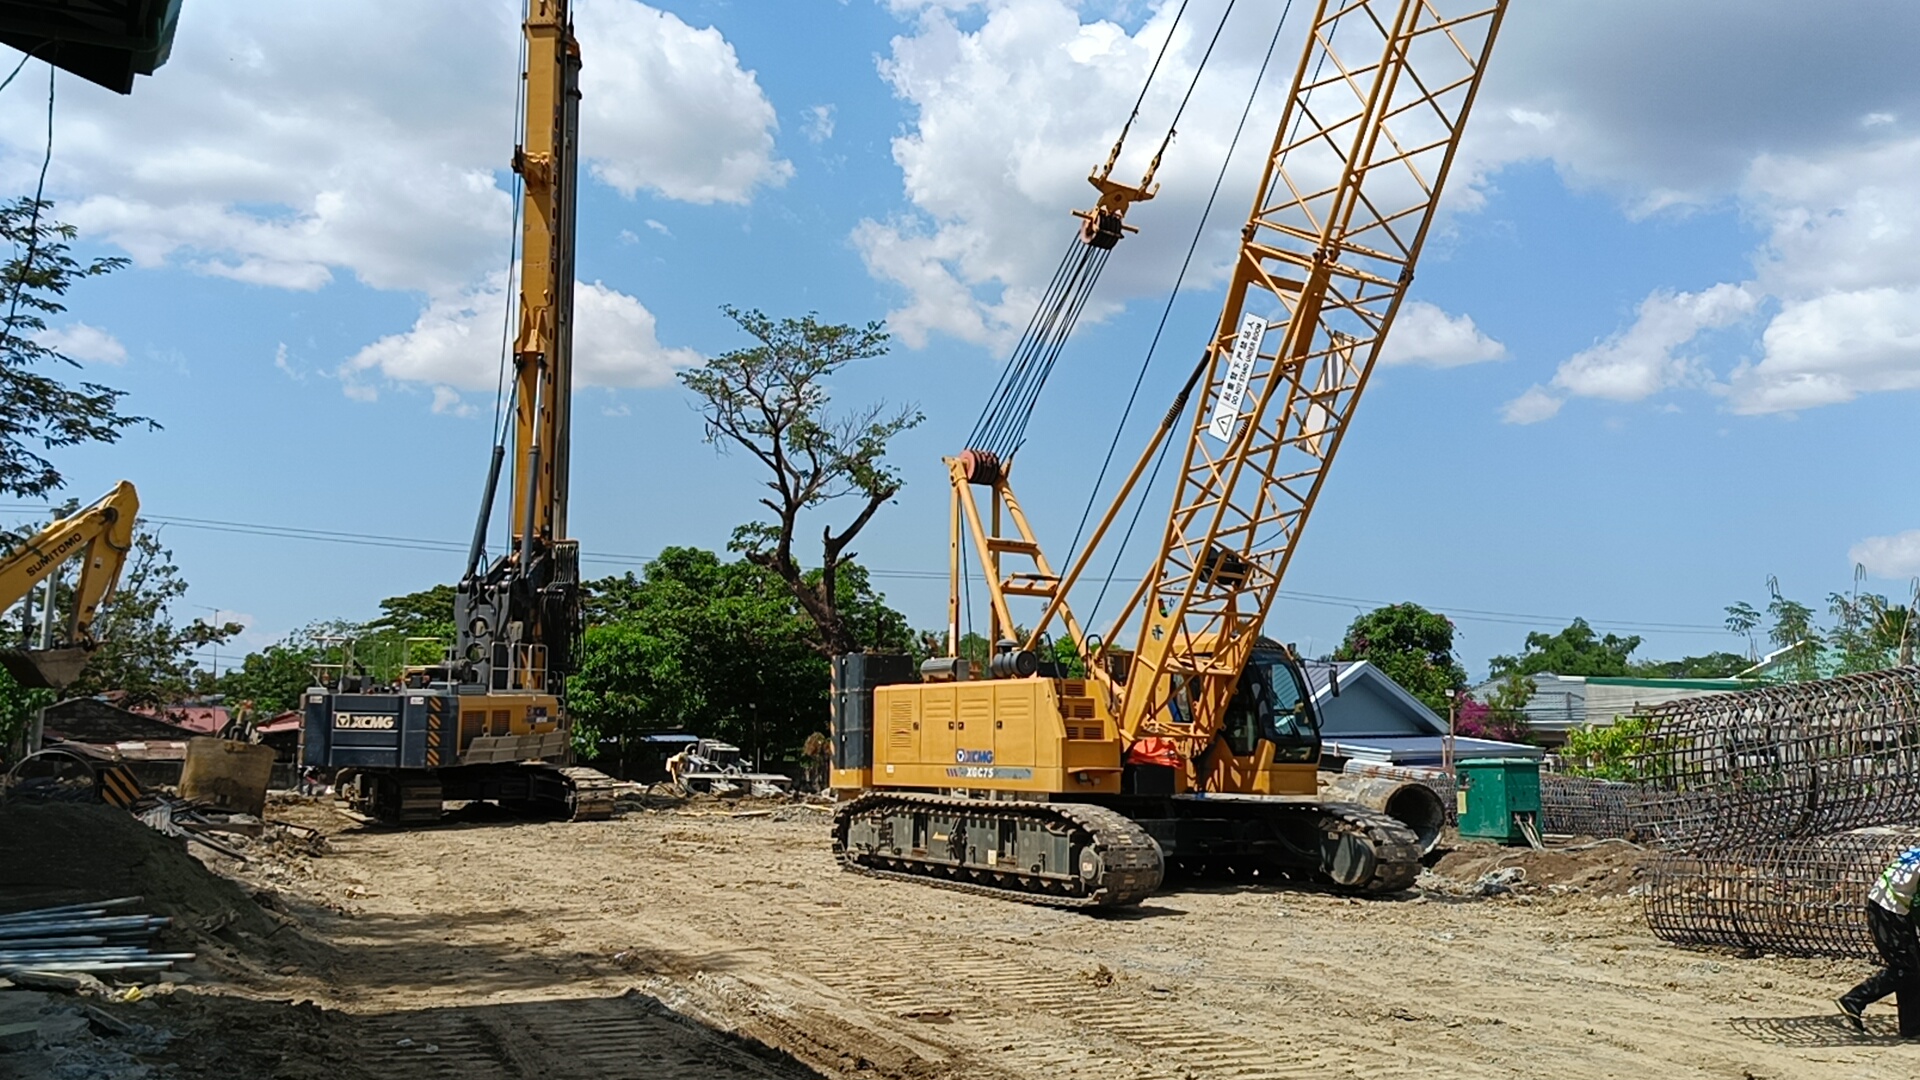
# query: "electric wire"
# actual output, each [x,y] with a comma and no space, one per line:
[33,221]
[1199,232]
[1002,425]
[423,544]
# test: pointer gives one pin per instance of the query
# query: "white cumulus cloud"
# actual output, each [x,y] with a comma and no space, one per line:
[1889,556]
[1424,334]
[1663,107]
[455,345]
[668,108]
[87,344]
[284,146]
[1537,404]
[1008,117]
[1643,359]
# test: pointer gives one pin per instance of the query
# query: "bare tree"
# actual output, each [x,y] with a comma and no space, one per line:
[771,399]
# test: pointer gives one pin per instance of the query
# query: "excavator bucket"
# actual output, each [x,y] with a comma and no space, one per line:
[45,669]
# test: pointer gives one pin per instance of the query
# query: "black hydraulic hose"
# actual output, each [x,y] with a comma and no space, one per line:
[479,548]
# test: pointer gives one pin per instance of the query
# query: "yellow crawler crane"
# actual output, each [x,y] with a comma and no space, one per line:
[1199,744]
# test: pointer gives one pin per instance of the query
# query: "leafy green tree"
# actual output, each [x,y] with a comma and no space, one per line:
[771,400]
[17,708]
[1793,628]
[274,677]
[1503,716]
[718,648]
[1743,618]
[143,652]
[1713,665]
[1577,650]
[38,412]
[1413,646]
[1621,750]
[424,614]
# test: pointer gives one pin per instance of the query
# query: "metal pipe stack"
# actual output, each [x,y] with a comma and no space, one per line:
[102,938]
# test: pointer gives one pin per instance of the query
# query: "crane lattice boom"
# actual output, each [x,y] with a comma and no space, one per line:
[1362,152]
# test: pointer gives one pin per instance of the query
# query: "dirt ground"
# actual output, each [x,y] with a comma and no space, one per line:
[690,943]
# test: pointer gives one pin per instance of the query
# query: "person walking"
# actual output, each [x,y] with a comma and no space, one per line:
[1890,920]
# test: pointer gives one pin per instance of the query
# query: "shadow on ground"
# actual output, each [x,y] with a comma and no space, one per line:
[484,953]
[595,1038]
[1827,1030]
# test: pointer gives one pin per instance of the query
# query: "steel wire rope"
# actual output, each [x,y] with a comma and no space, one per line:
[502,400]
[1008,374]
[1319,65]
[513,244]
[1039,358]
[33,220]
[1001,428]
[1152,70]
[1146,361]
[1023,409]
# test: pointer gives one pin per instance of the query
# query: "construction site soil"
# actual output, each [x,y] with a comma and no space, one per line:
[703,940]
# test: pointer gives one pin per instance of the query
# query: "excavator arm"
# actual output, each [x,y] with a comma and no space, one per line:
[101,535]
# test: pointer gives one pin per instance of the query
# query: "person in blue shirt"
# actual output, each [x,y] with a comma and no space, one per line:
[1890,919]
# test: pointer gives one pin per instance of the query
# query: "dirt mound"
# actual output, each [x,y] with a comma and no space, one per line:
[65,853]
[1595,869]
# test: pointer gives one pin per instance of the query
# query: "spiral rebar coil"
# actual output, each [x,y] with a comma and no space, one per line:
[1581,806]
[1804,897]
[1797,760]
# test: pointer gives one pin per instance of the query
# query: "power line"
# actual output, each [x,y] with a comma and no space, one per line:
[408,543]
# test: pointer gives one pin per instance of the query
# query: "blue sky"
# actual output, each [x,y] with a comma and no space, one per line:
[1667,331]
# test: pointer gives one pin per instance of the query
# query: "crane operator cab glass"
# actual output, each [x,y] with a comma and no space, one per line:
[1272,704]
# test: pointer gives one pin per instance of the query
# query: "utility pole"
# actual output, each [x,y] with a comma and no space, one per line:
[1446,748]
[1906,626]
[215,624]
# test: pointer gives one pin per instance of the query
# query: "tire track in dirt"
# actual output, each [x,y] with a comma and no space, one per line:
[631,1036]
[1036,1021]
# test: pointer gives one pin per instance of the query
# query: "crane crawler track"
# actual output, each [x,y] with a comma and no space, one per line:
[1363,850]
[590,793]
[1114,863]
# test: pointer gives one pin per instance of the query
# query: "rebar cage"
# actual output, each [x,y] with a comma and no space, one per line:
[1799,760]
[1802,897]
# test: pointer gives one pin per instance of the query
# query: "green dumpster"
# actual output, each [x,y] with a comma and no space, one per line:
[1499,798]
